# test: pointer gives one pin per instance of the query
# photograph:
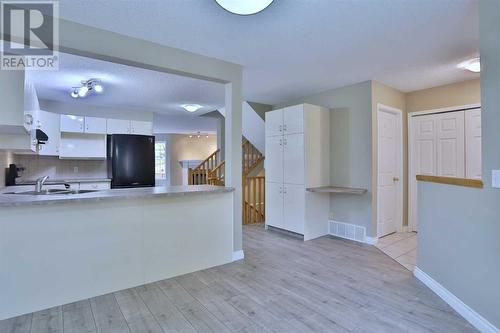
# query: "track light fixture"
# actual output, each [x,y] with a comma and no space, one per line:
[88,86]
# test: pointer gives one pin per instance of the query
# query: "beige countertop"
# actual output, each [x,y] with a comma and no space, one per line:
[12,200]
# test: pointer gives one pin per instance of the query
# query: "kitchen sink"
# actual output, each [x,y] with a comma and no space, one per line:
[53,192]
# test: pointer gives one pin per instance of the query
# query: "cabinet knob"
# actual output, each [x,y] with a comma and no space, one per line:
[284,127]
[395,179]
[281,128]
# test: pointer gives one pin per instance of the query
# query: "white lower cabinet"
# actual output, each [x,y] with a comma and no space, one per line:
[95,186]
[294,208]
[274,205]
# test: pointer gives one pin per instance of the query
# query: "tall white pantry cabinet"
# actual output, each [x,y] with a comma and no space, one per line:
[298,157]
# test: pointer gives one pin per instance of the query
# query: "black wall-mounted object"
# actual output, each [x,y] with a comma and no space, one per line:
[11,173]
[131,160]
[41,137]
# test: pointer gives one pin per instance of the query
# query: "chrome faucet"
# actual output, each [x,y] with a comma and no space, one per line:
[39,183]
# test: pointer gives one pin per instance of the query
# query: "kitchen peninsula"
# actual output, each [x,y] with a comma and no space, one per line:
[61,248]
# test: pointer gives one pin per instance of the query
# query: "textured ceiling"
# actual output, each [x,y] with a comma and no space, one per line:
[127,87]
[299,47]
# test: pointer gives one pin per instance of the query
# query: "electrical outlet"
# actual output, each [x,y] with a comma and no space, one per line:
[75,169]
[495,178]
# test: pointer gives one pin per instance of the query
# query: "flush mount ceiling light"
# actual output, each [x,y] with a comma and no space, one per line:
[473,65]
[191,107]
[88,86]
[244,7]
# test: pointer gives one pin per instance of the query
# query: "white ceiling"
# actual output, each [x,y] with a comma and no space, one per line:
[127,87]
[298,47]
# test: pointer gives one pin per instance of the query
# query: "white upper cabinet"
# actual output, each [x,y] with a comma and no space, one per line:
[293,119]
[95,125]
[141,127]
[72,124]
[274,123]
[49,122]
[118,126]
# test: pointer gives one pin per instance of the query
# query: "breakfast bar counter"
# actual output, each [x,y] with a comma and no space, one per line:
[60,248]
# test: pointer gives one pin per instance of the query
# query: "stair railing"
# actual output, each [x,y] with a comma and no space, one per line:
[254,192]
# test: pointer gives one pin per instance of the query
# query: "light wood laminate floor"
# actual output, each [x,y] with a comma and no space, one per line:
[282,285]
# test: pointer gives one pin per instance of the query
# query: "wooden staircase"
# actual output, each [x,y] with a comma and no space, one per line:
[212,172]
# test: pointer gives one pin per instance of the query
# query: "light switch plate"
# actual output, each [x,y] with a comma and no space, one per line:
[495,178]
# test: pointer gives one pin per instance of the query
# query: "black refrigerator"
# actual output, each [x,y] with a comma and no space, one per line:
[131,160]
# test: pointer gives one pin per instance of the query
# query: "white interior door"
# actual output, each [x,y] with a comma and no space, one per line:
[274,205]
[423,158]
[274,159]
[274,123]
[451,144]
[293,159]
[389,192]
[473,139]
[294,208]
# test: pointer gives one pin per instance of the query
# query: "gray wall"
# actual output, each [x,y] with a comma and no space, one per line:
[351,149]
[260,108]
[459,228]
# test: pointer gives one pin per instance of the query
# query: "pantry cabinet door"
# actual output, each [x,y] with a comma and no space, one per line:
[293,159]
[274,123]
[293,119]
[293,208]
[274,159]
[274,205]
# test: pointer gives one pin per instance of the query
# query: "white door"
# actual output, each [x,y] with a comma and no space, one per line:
[72,124]
[473,139]
[274,123]
[423,158]
[141,127]
[293,159]
[49,123]
[293,208]
[274,204]
[274,159]
[118,126]
[293,119]
[95,125]
[389,192]
[451,144]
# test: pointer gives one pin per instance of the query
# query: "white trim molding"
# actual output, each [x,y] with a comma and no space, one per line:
[238,255]
[474,318]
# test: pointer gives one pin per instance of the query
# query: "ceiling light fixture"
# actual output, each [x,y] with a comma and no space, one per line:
[191,107]
[244,7]
[88,86]
[473,65]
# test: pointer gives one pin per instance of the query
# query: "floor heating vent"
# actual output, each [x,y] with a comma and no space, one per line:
[348,231]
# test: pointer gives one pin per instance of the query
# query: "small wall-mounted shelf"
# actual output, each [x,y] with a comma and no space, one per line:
[337,189]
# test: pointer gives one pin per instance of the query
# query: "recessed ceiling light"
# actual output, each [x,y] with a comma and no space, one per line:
[191,107]
[473,65]
[244,7]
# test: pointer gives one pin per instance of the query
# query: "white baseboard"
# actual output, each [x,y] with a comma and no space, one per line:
[463,309]
[350,231]
[370,240]
[238,255]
